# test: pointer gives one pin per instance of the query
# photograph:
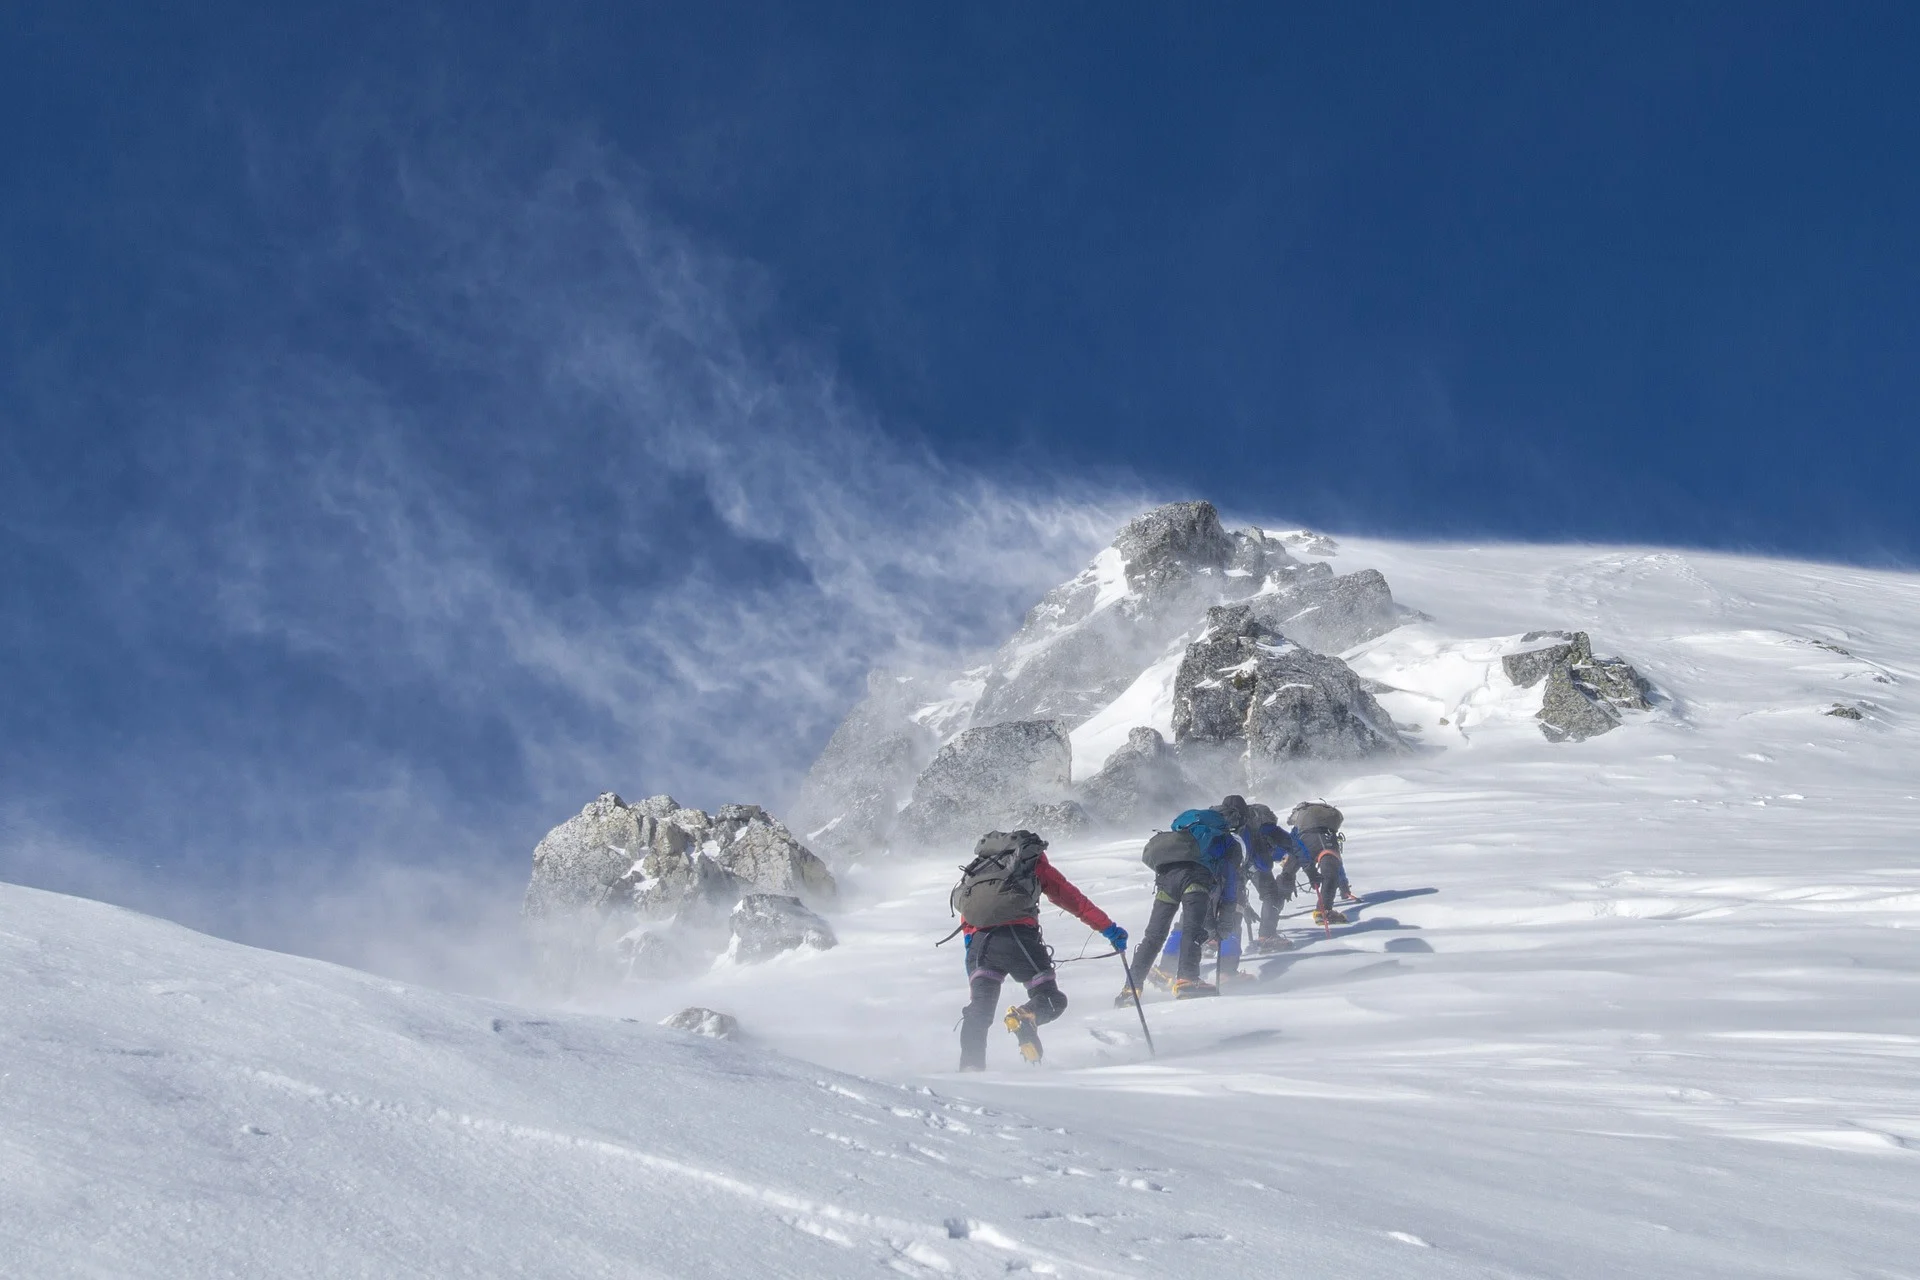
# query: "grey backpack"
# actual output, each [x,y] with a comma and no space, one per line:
[1002,883]
[1319,826]
[1168,847]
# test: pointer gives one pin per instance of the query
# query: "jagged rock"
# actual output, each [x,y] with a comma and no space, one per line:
[765,924]
[1078,650]
[1584,695]
[1568,711]
[866,772]
[1844,711]
[614,867]
[1331,614]
[1171,543]
[1242,685]
[985,778]
[1141,781]
[1088,638]
[704,1022]
[757,849]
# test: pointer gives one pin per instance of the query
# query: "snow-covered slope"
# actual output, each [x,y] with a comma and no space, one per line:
[1643,1005]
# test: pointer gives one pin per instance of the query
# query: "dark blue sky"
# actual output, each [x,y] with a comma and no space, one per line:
[414,418]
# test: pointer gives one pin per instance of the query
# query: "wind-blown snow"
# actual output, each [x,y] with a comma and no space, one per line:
[1644,1005]
[1147,701]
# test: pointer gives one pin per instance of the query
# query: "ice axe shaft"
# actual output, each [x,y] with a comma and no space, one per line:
[1134,991]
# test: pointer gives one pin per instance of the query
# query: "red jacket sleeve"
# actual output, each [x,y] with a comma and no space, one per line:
[1062,894]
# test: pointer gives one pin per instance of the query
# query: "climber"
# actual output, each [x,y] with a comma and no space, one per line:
[1316,829]
[1267,842]
[998,902]
[1194,866]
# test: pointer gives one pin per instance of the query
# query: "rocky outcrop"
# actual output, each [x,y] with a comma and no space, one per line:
[1584,695]
[766,924]
[631,891]
[882,778]
[1089,637]
[1142,781]
[704,1022]
[1844,711]
[1243,687]
[987,778]
[1332,614]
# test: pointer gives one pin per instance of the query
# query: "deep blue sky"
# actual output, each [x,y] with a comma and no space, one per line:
[382,386]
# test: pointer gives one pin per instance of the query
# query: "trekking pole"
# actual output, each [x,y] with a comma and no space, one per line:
[1134,991]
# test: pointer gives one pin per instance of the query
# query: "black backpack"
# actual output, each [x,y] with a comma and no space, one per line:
[1165,848]
[1002,883]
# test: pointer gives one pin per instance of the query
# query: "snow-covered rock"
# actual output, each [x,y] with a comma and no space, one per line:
[1096,654]
[1245,688]
[613,868]
[1584,695]
[1141,781]
[704,1022]
[1332,614]
[988,778]
[765,924]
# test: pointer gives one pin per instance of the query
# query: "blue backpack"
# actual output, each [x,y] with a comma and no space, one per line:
[1205,826]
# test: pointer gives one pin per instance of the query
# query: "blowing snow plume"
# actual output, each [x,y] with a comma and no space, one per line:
[497,492]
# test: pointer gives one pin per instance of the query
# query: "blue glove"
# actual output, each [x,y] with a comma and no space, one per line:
[1116,935]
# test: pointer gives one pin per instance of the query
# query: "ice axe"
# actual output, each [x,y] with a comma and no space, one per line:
[1134,991]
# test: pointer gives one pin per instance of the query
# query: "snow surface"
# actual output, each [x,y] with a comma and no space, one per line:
[1645,1005]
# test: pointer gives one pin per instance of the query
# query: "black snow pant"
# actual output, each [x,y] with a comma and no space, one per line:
[1332,876]
[1273,896]
[1184,889]
[1289,875]
[993,955]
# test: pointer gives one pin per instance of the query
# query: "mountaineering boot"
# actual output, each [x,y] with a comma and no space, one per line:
[1193,989]
[1021,1022]
[1347,895]
[1124,1000]
[1268,945]
[1161,978]
[1328,917]
[1234,978]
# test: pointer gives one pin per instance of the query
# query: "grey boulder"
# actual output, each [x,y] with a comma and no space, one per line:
[604,876]
[986,778]
[1243,687]
[1584,695]
[704,1022]
[1140,781]
[764,925]
[1332,614]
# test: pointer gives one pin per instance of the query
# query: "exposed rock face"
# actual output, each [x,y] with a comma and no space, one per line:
[1584,695]
[1089,637]
[866,772]
[1142,781]
[1078,650]
[1171,543]
[1242,685]
[1331,614]
[987,777]
[704,1022]
[766,924]
[613,868]
[1844,711]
